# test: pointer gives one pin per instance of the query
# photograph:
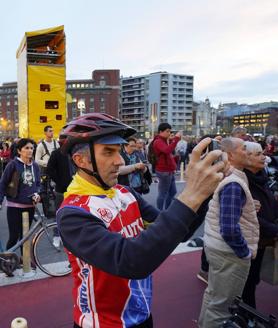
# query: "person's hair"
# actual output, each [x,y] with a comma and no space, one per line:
[238,129]
[131,139]
[164,126]
[253,147]
[23,142]
[140,140]
[229,144]
[81,148]
[7,145]
[47,127]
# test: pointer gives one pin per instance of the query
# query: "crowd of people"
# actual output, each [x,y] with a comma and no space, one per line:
[115,239]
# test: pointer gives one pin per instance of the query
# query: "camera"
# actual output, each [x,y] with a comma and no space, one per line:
[214,145]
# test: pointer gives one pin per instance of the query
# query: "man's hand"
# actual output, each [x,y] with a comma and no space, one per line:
[140,166]
[0,207]
[202,176]
[257,204]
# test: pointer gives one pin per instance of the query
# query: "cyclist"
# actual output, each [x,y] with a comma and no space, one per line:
[101,224]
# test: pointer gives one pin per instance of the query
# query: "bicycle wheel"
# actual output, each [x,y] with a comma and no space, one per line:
[50,257]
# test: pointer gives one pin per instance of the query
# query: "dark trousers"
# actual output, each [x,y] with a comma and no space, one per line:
[204,261]
[249,291]
[14,218]
[146,324]
[166,189]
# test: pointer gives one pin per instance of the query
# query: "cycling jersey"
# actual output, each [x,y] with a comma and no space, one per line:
[112,256]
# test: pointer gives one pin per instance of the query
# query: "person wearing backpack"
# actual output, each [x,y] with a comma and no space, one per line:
[165,165]
[181,151]
[45,148]
[43,152]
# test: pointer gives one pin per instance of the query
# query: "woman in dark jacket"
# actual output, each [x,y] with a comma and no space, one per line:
[267,216]
[28,183]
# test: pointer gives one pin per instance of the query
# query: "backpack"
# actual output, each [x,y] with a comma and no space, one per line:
[46,149]
[152,157]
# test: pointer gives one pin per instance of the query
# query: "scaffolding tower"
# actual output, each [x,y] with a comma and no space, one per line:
[41,73]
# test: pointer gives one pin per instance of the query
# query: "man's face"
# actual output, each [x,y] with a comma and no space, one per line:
[165,134]
[139,144]
[108,160]
[49,133]
[239,155]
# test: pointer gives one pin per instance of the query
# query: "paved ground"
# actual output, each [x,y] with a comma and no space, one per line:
[177,297]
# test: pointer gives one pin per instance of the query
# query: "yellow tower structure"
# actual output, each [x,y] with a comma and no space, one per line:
[41,74]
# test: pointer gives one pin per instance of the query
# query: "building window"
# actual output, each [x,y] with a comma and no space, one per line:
[45,87]
[51,104]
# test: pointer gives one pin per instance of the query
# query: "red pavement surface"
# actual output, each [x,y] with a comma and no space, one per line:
[177,298]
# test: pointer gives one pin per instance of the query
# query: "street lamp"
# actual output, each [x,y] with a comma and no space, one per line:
[153,116]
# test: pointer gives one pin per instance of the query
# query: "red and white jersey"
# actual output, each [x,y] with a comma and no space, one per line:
[101,299]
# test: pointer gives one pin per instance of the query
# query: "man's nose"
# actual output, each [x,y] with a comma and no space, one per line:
[119,160]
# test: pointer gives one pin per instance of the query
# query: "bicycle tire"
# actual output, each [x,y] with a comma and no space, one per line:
[50,259]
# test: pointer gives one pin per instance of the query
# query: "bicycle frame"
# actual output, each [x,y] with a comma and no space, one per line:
[41,221]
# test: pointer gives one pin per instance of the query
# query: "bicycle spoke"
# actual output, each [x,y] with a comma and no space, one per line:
[49,252]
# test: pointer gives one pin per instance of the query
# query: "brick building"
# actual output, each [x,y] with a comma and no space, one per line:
[100,94]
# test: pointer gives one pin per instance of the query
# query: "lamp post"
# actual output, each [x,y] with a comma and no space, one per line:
[81,106]
[153,117]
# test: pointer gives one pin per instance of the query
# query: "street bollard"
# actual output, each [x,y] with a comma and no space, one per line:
[19,323]
[182,172]
[26,245]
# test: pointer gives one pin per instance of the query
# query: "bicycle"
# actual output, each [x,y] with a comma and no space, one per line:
[50,259]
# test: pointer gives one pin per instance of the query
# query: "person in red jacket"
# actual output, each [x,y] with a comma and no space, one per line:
[165,165]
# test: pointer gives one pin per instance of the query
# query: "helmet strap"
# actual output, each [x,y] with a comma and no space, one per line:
[95,173]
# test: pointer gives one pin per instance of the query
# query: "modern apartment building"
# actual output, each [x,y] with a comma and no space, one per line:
[149,100]
[134,102]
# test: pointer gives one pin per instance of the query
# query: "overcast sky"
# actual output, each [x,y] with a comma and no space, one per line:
[230,46]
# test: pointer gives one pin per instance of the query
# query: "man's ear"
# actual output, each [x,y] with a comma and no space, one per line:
[230,155]
[79,160]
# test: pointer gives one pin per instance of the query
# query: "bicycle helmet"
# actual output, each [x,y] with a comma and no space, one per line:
[91,128]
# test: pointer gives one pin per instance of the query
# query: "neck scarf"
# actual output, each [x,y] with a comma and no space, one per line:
[80,186]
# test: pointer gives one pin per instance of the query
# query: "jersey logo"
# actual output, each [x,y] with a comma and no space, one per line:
[106,214]
[75,200]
